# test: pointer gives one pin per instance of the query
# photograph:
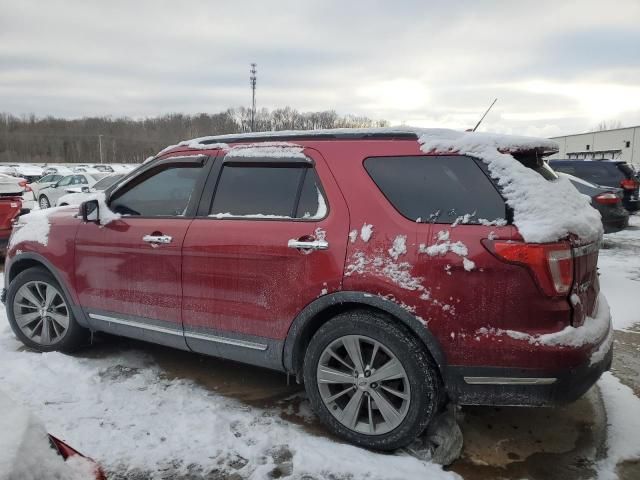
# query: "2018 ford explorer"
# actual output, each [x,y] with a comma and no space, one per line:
[385,277]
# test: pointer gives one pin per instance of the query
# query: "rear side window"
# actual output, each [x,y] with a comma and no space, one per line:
[437,189]
[269,192]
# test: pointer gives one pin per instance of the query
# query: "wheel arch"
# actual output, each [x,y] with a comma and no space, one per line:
[29,260]
[326,307]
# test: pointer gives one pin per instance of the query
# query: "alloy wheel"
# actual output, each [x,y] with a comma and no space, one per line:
[44,203]
[41,312]
[363,384]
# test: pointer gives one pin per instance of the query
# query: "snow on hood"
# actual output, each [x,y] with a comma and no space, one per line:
[543,211]
[33,227]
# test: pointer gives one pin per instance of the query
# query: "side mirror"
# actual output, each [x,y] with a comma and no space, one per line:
[53,185]
[85,189]
[90,211]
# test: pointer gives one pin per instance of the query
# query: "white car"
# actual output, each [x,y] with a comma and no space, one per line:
[87,193]
[10,185]
[57,169]
[49,195]
[45,181]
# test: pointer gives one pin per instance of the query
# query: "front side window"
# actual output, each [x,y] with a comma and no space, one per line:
[165,191]
[437,189]
[268,192]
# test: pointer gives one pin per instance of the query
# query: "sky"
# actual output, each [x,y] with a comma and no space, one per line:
[556,67]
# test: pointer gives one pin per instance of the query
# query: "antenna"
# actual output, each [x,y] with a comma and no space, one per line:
[252,81]
[485,114]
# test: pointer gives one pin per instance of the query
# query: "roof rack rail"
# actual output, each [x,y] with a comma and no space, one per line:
[244,137]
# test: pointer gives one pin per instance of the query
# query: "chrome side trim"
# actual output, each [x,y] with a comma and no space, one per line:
[131,323]
[509,381]
[170,331]
[226,341]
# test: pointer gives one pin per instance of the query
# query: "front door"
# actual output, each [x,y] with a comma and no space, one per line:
[270,240]
[128,271]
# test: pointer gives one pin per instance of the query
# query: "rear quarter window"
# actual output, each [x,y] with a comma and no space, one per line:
[437,189]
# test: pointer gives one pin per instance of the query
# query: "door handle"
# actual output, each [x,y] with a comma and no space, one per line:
[157,239]
[308,245]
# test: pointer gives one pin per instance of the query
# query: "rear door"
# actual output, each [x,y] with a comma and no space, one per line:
[270,238]
[129,271]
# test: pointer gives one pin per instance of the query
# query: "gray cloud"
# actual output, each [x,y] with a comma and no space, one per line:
[429,63]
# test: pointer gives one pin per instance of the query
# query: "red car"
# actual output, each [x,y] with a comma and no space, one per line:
[10,209]
[386,273]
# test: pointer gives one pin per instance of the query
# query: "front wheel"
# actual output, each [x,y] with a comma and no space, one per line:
[370,381]
[40,314]
[44,202]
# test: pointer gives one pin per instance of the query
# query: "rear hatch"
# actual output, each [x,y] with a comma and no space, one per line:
[586,287]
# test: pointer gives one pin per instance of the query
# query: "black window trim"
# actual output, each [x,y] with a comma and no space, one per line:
[211,186]
[508,213]
[190,214]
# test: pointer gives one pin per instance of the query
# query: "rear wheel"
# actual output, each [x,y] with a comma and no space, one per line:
[40,314]
[370,381]
[44,202]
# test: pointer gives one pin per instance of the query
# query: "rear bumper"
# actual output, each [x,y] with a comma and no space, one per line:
[523,387]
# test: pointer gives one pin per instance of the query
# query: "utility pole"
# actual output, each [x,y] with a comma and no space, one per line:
[100,146]
[252,80]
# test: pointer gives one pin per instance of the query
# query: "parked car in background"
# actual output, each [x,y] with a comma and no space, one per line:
[10,209]
[382,268]
[16,186]
[49,195]
[28,452]
[45,181]
[607,200]
[87,192]
[29,172]
[57,169]
[608,173]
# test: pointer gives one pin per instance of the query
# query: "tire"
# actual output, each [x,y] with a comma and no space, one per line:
[48,334]
[44,202]
[416,385]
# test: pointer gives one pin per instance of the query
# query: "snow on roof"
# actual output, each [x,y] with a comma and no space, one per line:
[504,140]
[543,210]
[267,149]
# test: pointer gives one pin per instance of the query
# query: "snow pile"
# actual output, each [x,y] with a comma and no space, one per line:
[399,246]
[366,231]
[353,236]
[33,227]
[544,211]
[121,410]
[267,149]
[444,245]
[25,451]
[623,425]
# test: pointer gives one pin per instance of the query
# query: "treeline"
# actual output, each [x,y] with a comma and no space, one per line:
[125,140]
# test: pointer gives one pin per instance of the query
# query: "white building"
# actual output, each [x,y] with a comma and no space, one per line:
[616,144]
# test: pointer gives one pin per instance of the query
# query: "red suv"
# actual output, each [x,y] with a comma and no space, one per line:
[387,274]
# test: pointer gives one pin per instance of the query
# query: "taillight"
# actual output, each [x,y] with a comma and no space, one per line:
[23,184]
[607,198]
[629,184]
[550,263]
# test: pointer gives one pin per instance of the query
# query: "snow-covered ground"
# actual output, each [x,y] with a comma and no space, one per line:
[138,422]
